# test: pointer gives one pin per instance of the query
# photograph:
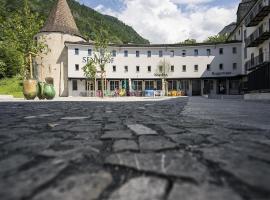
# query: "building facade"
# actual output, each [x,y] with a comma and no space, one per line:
[197,69]
[253,30]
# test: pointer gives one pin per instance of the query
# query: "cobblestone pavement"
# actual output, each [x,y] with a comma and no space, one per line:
[179,149]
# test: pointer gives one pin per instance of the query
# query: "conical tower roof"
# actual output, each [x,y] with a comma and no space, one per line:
[61,20]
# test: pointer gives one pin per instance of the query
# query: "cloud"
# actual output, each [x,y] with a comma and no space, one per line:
[169,21]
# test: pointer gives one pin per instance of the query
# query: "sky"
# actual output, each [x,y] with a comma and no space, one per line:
[170,21]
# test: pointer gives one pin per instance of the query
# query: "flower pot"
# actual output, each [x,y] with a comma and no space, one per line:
[40,92]
[30,89]
[49,91]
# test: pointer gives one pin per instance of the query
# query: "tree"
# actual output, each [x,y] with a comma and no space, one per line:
[101,57]
[217,38]
[163,70]
[189,41]
[17,32]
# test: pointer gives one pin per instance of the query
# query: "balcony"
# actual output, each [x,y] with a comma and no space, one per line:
[257,61]
[258,13]
[258,37]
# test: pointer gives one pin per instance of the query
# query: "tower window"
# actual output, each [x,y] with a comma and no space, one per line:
[149,68]
[126,53]
[89,52]
[114,68]
[220,51]
[172,68]
[184,68]
[196,52]
[137,54]
[160,53]
[208,52]
[196,68]
[184,53]
[76,51]
[220,66]
[208,67]
[114,53]
[234,50]
[149,54]
[126,68]
[137,68]
[234,66]
[172,53]
[77,67]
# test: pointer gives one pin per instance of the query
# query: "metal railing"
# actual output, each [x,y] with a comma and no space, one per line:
[258,36]
[256,10]
[257,61]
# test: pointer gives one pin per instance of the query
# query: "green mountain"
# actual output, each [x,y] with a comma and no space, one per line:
[87,19]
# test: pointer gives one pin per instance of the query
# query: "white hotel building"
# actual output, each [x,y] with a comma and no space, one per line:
[194,69]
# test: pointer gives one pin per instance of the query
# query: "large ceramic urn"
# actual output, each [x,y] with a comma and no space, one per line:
[40,92]
[30,89]
[49,91]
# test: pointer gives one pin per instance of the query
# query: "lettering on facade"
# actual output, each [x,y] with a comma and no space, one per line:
[85,59]
[161,75]
[221,73]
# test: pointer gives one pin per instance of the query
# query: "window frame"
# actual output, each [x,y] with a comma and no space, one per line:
[74,85]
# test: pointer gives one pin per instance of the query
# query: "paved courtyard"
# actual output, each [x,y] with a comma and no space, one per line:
[175,149]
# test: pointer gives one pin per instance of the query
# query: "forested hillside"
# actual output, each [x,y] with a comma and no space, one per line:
[87,19]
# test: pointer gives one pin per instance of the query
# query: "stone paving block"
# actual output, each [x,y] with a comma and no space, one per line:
[154,143]
[120,134]
[24,183]
[241,166]
[172,130]
[177,164]
[13,163]
[140,129]
[187,138]
[122,145]
[78,187]
[202,192]
[141,188]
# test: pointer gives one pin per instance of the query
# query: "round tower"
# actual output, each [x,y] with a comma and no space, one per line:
[59,28]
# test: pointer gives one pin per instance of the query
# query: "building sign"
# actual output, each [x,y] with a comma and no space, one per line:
[161,75]
[221,73]
[85,59]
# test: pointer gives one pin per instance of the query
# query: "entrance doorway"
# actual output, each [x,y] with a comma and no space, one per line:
[196,87]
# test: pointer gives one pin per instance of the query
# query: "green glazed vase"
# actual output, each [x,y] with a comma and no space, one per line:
[49,91]
[40,92]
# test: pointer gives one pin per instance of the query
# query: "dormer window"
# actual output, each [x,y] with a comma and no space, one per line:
[76,51]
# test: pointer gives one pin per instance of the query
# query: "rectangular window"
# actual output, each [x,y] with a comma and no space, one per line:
[196,52]
[172,68]
[149,85]
[159,84]
[74,85]
[234,66]
[114,53]
[99,85]
[245,34]
[137,54]
[89,52]
[220,51]
[114,68]
[114,85]
[126,68]
[184,68]
[149,68]
[196,68]
[220,66]
[137,68]
[245,52]
[234,50]
[208,51]
[126,53]
[160,53]
[76,51]
[184,53]
[208,67]
[77,67]
[172,85]
[149,54]
[172,53]
[137,85]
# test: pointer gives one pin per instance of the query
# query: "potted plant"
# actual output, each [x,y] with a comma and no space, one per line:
[29,84]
